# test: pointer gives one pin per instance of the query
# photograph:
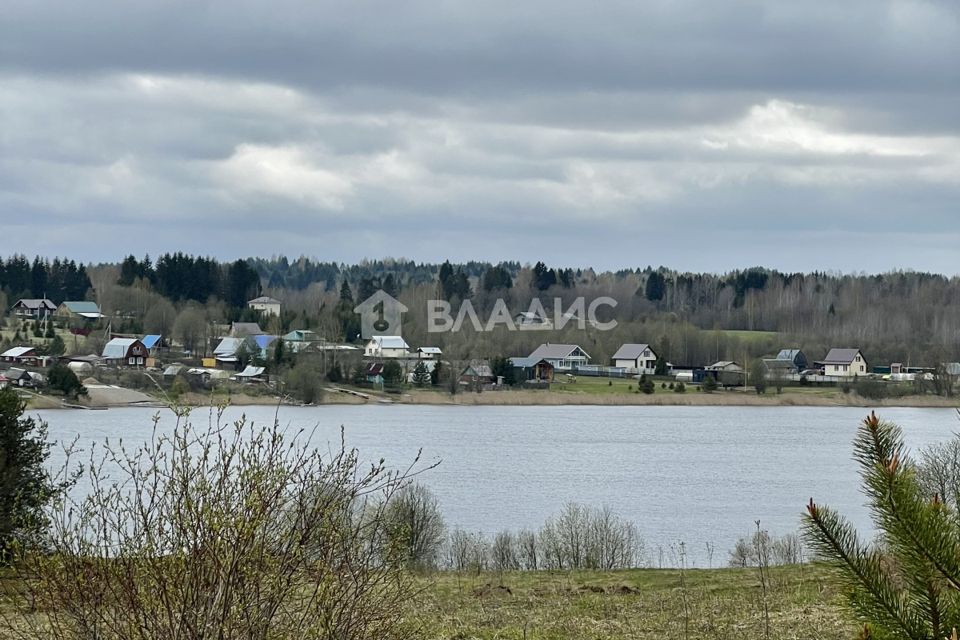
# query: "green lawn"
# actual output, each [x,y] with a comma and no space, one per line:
[606,386]
[636,605]
[747,336]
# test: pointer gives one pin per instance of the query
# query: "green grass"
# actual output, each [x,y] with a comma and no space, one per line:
[636,605]
[746,336]
[606,386]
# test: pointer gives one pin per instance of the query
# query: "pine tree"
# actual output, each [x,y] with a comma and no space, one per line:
[908,586]
[25,484]
[421,377]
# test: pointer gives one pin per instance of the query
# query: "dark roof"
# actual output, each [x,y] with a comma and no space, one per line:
[630,351]
[526,363]
[779,363]
[36,303]
[788,354]
[375,369]
[556,351]
[245,328]
[841,356]
[479,370]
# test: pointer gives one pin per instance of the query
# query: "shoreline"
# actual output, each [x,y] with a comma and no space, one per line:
[520,398]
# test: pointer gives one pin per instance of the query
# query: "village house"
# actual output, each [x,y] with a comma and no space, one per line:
[429,353]
[796,356]
[33,308]
[241,329]
[561,356]
[152,342]
[532,320]
[845,363]
[299,340]
[786,362]
[231,352]
[636,358]
[374,373]
[24,355]
[17,377]
[225,353]
[266,305]
[386,347]
[477,373]
[725,372]
[77,312]
[125,352]
[532,369]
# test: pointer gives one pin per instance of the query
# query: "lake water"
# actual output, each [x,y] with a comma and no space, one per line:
[693,474]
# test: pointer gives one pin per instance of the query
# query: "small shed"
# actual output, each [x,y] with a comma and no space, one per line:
[532,369]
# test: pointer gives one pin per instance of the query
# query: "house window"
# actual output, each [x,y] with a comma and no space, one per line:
[139,360]
[131,361]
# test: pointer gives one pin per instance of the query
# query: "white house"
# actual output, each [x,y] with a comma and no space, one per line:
[386,347]
[429,353]
[562,356]
[845,363]
[532,320]
[266,305]
[636,356]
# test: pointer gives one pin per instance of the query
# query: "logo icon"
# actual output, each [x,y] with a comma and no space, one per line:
[380,315]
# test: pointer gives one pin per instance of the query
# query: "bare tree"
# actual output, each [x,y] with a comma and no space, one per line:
[224,531]
[190,328]
[415,526]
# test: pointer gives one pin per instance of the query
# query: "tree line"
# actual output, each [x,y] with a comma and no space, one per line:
[59,279]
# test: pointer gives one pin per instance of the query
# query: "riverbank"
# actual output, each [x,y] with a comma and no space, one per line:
[117,397]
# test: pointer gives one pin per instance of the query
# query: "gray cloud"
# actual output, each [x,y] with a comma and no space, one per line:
[700,135]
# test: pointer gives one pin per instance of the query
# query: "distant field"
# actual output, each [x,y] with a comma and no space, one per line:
[639,604]
[748,336]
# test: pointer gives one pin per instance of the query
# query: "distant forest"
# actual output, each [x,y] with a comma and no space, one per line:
[691,318]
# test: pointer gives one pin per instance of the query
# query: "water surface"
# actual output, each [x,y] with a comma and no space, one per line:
[693,474]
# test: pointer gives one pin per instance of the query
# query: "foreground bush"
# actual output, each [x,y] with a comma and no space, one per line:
[908,585]
[224,531]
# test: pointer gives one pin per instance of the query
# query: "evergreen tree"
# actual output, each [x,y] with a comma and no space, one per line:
[543,277]
[64,380]
[660,369]
[390,286]
[907,586]
[656,286]
[436,376]
[421,377]
[346,296]
[502,367]
[392,372]
[335,374]
[496,278]
[758,376]
[56,347]
[25,484]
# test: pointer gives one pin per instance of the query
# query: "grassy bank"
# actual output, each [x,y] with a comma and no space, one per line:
[637,604]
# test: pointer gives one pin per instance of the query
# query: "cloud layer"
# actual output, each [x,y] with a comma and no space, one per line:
[700,135]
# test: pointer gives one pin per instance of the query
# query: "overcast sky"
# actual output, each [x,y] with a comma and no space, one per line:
[699,135]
